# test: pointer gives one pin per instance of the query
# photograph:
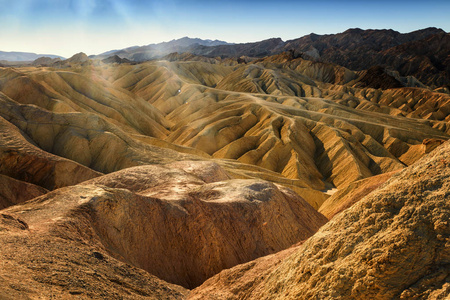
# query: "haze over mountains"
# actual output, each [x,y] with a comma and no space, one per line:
[422,54]
[312,168]
[23,56]
[350,42]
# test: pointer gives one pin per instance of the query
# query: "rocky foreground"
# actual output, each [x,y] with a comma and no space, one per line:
[95,239]
[392,244]
[182,223]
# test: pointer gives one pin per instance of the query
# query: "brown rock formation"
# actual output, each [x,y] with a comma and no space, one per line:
[14,191]
[235,283]
[162,219]
[115,60]
[186,235]
[266,114]
[422,53]
[393,243]
[352,193]
[377,78]
[49,251]
[45,61]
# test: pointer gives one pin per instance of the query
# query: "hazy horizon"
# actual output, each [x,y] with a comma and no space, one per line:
[95,26]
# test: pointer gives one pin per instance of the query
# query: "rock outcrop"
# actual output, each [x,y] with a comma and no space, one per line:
[420,53]
[376,77]
[48,251]
[45,61]
[352,193]
[14,191]
[182,227]
[393,243]
[115,60]
[186,235]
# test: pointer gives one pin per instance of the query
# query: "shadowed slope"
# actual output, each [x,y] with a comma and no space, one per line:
[422,53]
[14,191]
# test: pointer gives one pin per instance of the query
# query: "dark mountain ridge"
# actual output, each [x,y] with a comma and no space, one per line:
[421,53]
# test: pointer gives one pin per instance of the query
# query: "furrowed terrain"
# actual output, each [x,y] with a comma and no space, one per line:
[200,177]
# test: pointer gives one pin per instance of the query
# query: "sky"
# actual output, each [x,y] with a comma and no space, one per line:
[66,27]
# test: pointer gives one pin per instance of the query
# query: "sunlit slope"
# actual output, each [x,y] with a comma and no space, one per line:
[304,124]
[253,114]
[85,138]
[100,144]
[299,137]
[284,75]
[82,90]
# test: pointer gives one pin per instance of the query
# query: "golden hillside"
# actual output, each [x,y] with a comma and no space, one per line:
[146,180]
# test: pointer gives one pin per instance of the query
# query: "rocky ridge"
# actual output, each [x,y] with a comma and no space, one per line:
[184,235]
[393,243]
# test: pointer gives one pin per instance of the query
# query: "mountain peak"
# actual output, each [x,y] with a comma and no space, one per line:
[79,58]
[354,31]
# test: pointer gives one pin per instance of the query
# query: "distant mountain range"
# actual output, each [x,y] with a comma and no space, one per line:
[153,51]
[24,56]
[422,53]
[329,47]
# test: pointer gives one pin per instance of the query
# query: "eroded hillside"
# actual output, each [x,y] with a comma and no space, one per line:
[392,244]
[303,124]
[188,166]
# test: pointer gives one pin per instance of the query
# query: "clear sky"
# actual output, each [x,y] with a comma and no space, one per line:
[66,27]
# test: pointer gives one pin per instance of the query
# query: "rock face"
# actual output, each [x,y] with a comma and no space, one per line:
[235,283]
[45,61]
[349,195]
[115,60]
[419,53]
[377,78]
[394,243]
[185,234]
[48,250]
[14,191]
[181,226]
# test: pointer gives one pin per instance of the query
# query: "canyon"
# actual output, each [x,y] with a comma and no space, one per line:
[312,168]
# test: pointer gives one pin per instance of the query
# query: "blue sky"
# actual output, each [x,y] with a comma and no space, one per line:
[66,27]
